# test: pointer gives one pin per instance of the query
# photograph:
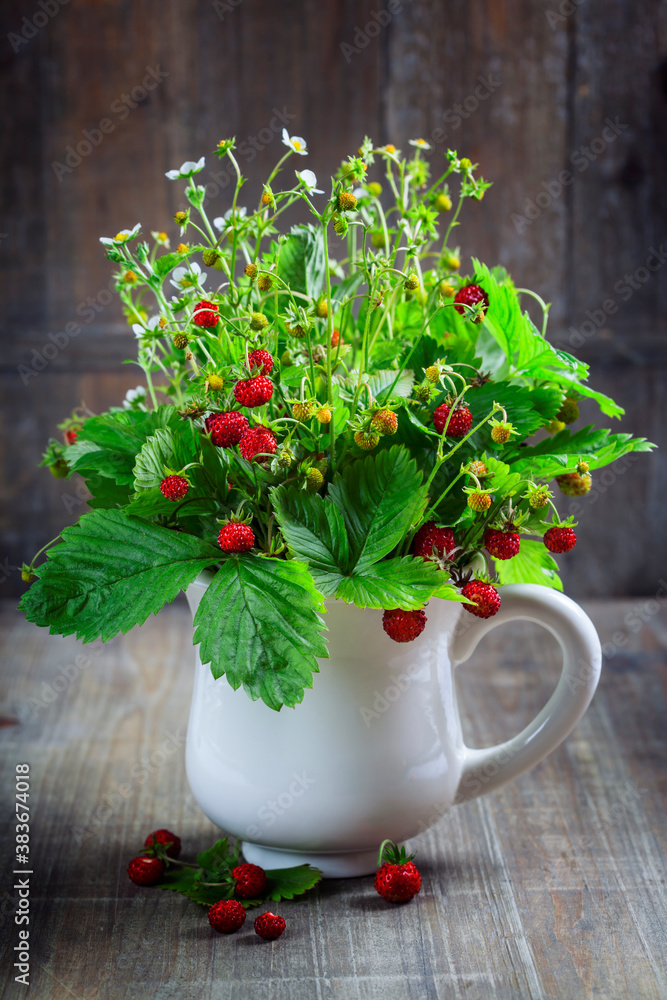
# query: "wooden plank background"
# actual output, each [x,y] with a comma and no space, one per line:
[519,86]
[550,888]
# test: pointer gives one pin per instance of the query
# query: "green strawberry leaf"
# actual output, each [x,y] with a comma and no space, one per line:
[560,453]
[301,263]
[286,883]
[379,496]
[219,857]
[314,530]
[110,572]
[532,564]
[258,625]
[166,263]
[108,445]
[397,583]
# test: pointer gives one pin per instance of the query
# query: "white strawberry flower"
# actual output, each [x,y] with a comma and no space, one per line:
[225,221]
[134,398]
[186,169]
[420,143]
[189,277]
[122,237]
[140,329]
[309,180]
[295,143]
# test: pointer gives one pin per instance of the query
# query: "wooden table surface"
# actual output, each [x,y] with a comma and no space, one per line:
[551,887]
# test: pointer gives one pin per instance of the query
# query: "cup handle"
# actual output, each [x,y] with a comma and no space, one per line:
[484,770]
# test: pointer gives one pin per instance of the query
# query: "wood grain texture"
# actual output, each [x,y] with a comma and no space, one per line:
[550,888]
[517,90]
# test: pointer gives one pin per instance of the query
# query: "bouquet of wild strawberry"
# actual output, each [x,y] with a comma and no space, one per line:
[372,428]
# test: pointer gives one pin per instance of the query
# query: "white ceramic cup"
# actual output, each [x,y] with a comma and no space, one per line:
[375,749]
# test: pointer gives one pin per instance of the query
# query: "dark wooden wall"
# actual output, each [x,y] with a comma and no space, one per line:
[535,85]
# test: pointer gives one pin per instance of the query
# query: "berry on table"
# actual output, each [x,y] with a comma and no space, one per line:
[253,391]
[145,871]
[403,626]
[206,314]
[235,537]
[226,916]
[460,421]
[174,487]
[485,597]
[397,879]
[262,360]
[250,881]
[472,296]
[560,539]
[431,536]
[165,837]
[258,440]
[226,428]
[502,544]
[269,926]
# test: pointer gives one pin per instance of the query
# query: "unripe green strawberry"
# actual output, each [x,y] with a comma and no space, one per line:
[477,468]
[375,189]
[264,283]
[385,422]
[501,431]
[210,257]
[215,382]
[286,359]
[322,309]
[555,426]
[465,163]
[569,411]
[314,480]
[423,392]
[451,261]
[446,290]
[285,458]
[432,374]
[324,415]
[538,497]
[442,203]
[347,202]
[378,240]
[411,283]
[180,341]
[258,321]
[251,270]
[296,331]
[479,500]
[367,440]
[340,225]
[302,411]
[574,485]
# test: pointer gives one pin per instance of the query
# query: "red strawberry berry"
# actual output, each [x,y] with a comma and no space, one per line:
[485,596]
[560,539]
[165,837]
[403,626]
[227,428]
[206,313]
[145,871]
[459,424]
[335,338]
[257,441]
[471,295]
[398,879]
[253,391]
[250,881]
[431,536]
[502,544]
[261,360]
[174,487]
[72,435]
[234,537]
[226,916]
[269,926]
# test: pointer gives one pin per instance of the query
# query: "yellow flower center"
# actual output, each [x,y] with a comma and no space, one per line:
[121,237]
[390,148]
[162,322]
[296,144]
[162,237]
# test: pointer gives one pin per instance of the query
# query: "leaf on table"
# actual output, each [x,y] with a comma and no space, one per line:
[286,883]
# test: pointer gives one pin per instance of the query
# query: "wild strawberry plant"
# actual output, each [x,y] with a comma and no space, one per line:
[329,412]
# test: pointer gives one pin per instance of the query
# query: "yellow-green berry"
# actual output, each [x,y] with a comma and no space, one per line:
[347,202]
[569,411]
[258,321]
[209,257]
[251,271]
[264,283]
[477,468]
[322,309]
[446,290]
[479,500]
[501,431]
[411,283]
[375,189]
[340,225]
[555,426]
[451,261]
[432,373]
[385,422]
[324,415]
[423,392]
[538,497]
[466,164]
[378,240]
[215,382]
[366,440]
[302,411]
[442,203]
[181,218]
[574,485]
[314,480]
[180,341]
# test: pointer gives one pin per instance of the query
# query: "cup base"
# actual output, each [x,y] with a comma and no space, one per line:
[332,864]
